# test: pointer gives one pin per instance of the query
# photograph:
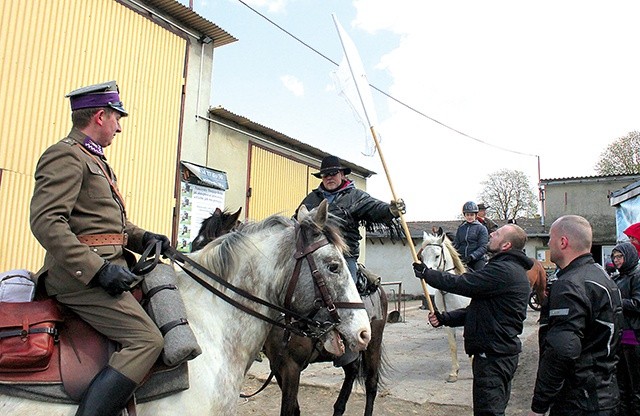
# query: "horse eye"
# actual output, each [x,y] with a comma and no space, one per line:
[334,268]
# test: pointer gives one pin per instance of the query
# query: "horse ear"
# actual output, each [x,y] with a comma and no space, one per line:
[302,212]
[232,220]
[440,231]
[425,235]
[322,214]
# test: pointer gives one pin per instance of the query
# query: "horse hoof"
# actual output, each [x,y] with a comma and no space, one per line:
[452,378]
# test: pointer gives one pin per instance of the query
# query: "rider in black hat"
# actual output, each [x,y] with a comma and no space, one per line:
[352,207]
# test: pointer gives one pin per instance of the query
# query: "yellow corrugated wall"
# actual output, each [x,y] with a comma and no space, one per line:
[278,184]
[47,49]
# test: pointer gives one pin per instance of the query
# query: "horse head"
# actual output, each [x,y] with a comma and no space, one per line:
[438,253]
[219,223]
[325,247]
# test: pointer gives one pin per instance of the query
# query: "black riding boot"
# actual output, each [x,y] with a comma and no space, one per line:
[107,394]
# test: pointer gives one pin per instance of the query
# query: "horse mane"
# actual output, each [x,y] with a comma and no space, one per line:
[223,255]
[457,261]
[330,229]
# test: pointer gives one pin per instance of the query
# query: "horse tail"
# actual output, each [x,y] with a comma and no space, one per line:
[384,368]
[539,282]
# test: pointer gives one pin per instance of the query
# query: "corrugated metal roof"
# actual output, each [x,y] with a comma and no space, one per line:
[193,20]
[283,139]
[594,178]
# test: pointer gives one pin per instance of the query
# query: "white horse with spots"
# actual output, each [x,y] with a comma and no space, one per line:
[438,253]
[260,260]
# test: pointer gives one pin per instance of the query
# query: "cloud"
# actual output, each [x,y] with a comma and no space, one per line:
[273,6]
[293,84]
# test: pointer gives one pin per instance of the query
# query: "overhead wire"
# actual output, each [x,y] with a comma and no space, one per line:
[384,93]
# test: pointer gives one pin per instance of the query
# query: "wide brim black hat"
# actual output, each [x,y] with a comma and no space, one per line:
[329,164]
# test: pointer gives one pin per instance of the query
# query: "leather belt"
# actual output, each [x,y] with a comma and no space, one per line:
[104,239]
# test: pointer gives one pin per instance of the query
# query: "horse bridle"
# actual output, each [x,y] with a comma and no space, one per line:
[442,261]
[323,297]
[294,322]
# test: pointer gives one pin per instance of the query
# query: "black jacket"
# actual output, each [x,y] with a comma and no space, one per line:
[579,335]
[499,294]
[471,241]
[628,282]
[353,208]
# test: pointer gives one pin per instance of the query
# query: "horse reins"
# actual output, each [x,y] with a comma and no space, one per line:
[312,327]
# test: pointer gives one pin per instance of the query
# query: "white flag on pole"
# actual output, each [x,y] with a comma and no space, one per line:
[352,84]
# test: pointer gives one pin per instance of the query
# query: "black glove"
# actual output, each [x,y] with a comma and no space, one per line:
[420,270]
[114,279]
[148,236]
[397,207]
[440,318]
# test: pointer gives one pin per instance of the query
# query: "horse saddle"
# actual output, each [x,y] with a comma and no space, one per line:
[79,353]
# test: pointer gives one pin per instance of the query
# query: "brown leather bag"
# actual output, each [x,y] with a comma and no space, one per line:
[27,335]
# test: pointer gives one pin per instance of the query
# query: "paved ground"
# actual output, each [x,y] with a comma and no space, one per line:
[419,355]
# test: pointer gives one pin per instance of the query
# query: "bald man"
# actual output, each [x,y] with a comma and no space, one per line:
[579,331]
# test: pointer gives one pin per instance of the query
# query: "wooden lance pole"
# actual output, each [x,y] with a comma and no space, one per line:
[414,255]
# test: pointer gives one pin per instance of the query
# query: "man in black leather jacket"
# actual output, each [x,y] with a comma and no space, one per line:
[579,330]
[350,205]
[494,318]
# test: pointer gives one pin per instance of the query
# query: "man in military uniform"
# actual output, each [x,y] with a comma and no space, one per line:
[78,215]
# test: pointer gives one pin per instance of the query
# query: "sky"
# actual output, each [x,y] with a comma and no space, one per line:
[541,87]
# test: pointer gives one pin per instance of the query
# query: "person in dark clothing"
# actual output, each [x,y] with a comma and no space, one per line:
[350,205]
[625,258]
[471,238]
[352,208]
[484,220]
[579,329]
[494,318]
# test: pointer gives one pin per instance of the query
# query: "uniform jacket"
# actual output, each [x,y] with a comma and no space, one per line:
[579,335]
[73,197]
[471,241]
[354,208]
[499,296]
[628,281]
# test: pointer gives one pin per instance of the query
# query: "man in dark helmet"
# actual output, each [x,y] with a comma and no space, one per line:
[471,238]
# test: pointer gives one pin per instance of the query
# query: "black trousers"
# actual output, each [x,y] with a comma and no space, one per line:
[629,380]
[492,375]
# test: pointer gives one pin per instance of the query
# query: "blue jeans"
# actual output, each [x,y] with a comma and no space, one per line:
[352,263]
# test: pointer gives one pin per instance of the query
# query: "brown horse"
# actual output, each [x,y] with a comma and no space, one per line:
[537,276]
[289,354]
[288,359]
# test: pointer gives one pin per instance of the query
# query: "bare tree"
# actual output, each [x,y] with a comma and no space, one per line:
[621,157]
[510,195]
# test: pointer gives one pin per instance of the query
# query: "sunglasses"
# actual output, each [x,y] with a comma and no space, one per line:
[327,174]
[617,256]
